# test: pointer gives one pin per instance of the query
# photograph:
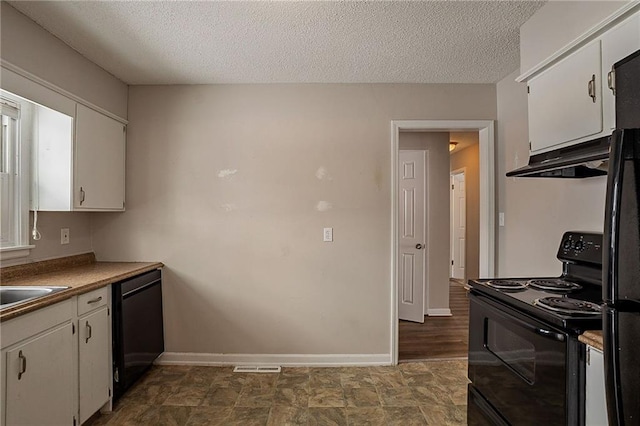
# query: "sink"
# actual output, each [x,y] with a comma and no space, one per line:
[13,295]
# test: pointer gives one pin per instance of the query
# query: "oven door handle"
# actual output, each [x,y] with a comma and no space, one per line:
[550,334]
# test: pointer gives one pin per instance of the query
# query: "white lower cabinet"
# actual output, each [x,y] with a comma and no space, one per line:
[94,362]
[595,405]
[40,379]
[56,362]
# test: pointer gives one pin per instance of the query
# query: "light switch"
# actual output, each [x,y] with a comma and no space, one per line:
[328,234]
[501,218]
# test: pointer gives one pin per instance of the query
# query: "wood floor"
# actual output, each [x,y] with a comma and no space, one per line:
[438,337]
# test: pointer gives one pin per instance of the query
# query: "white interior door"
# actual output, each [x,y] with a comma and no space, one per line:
[458,225]
[411,244]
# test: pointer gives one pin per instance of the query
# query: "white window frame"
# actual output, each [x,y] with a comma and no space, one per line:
[16,243]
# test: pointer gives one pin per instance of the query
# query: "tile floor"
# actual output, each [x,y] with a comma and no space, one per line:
[421,393]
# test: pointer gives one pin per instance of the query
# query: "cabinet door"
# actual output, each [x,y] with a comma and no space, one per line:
[562,109]
[617,44]
[41,380]
[595,405]
[99,161]
[94,362]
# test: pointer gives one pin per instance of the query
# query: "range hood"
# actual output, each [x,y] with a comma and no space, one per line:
[582,160]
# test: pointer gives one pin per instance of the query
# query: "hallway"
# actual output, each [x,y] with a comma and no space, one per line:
[438,337]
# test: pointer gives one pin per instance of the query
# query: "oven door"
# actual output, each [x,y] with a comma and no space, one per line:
[517,364]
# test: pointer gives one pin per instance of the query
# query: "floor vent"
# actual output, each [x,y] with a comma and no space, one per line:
[256,369]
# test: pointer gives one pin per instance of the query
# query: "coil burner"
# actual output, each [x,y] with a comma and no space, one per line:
[507,284]
[568,306]
[554,285]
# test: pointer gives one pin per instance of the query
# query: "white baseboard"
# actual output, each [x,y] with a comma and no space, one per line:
[286,360]
[439,312]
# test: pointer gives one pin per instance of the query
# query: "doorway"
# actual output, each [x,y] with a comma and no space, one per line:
[486,195]
[440,330]
[458,223]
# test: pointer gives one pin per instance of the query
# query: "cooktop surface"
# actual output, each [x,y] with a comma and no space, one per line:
[567,303]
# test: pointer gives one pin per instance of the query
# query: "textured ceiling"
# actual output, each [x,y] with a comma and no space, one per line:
[189,42]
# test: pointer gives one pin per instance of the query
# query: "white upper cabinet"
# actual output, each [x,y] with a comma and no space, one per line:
[99,161]
[52,148]
[565,101]
[78,153]
[571,94]
[618,43]
[77,170]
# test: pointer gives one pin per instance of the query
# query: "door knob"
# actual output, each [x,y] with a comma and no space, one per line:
[419,246]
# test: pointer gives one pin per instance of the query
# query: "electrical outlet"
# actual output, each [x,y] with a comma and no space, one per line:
[64,236]
[328,234]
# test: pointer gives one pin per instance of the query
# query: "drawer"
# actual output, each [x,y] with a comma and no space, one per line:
[94,299]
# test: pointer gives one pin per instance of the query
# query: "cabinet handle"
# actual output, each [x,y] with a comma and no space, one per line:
[611,81]
[591,86]
[23,365]
[88,333]
[96,300]
[81,195]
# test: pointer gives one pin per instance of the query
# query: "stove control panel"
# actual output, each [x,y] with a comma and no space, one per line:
[581,247]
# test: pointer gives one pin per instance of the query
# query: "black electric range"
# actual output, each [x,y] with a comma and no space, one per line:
[523,344]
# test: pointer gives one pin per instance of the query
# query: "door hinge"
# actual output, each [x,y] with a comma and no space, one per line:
[529,146]
[451,186]
[73,328]
[74,420]
[108,311]
[528,89]
[452,263]
[109,392]
[588,356]
[116,376]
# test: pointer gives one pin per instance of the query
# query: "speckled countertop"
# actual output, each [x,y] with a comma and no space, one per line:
[592,338]
[80,273]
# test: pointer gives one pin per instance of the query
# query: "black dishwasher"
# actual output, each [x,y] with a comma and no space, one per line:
[138,334]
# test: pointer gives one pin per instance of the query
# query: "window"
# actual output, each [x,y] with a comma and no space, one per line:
[13,183]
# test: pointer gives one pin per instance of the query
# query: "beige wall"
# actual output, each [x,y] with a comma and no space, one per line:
[231,185]
[49,247]
[537,211]
[469,159]
[49,224]
[557,24]
[437,217]
[28,46]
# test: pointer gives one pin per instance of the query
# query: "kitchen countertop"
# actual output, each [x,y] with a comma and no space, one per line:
[592,338]
[80,273]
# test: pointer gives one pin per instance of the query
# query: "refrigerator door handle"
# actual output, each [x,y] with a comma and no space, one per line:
[612,213]
[611,367]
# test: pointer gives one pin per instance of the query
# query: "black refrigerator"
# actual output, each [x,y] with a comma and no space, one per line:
[621,262]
